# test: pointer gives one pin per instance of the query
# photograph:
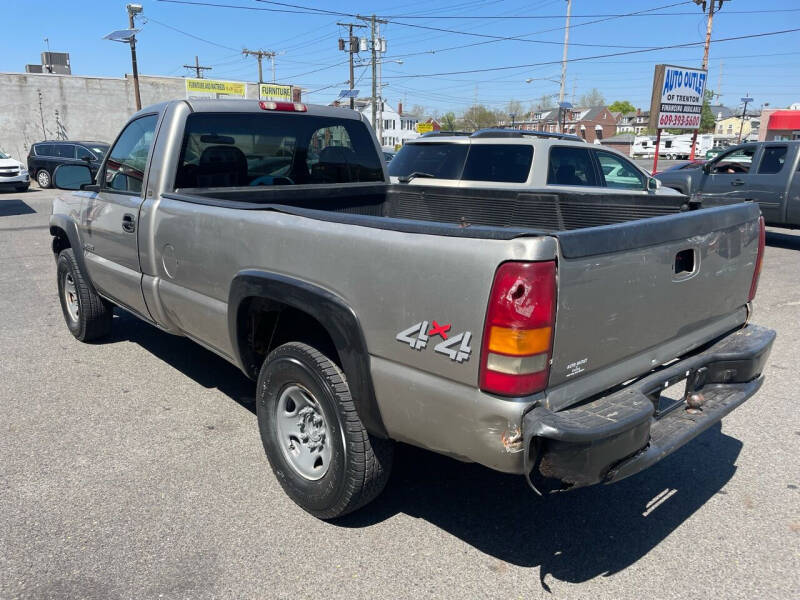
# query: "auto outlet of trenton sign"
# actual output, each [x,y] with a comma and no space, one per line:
[677,100]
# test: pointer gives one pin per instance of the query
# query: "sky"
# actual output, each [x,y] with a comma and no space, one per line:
[432,73]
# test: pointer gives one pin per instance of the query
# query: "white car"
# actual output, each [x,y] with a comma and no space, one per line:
[521,160]
[13,174]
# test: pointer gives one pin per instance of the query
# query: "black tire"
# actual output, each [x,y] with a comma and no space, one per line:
[359,463]
[94,314]
[44,179]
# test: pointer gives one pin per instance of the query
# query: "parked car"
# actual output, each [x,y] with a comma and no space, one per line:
[44,157]
[13,174]
[761,172]
[531,332]
[513,159]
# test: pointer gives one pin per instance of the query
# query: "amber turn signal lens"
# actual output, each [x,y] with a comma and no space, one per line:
[519,342]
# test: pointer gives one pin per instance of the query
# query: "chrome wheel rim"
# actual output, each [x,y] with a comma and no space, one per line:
[43,178]
[71,297]
[303,432]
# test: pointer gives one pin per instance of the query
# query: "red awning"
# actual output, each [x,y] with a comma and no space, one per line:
[784,119]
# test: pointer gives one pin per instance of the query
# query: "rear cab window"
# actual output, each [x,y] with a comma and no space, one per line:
[245,149]
[570,166]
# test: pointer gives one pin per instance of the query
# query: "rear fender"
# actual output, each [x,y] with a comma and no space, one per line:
[339,320]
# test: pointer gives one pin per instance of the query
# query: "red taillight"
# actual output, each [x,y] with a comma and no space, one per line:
[518,335]
[284,106]
[762,239]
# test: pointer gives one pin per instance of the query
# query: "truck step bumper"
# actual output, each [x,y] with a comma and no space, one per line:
[614,436]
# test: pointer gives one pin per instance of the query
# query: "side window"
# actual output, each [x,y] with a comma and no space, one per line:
[128,158]
[773,160]
[570,166]
[44,150]
[502,163]
[735,162]
[82,153]
[65,150]
[619,173]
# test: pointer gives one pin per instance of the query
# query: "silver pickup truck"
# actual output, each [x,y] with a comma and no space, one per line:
[573,339]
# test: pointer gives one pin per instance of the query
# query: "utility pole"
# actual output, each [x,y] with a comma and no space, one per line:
[564,56]
[260,55]
[351,48]
[197,68]
[133,10]
[710,4]
[374,45]
[747,100]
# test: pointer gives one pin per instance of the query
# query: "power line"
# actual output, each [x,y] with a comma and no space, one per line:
[191,35]
[585,58]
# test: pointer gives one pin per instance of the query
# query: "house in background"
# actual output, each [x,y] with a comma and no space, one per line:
[397,128]
[780,125]
[622,142]
[625,122]
[592,124]
[641,122]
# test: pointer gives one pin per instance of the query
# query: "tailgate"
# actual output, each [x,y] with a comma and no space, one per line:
[635,295]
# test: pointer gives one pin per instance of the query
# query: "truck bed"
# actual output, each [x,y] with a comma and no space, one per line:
[509,209]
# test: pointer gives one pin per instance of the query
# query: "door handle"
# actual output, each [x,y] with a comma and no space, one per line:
[129,223]
[737,182]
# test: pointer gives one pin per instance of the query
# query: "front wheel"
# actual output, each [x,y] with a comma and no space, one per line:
[43,179]
[317,446]
[88,316]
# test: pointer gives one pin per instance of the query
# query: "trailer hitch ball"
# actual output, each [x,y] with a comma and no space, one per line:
[694,403]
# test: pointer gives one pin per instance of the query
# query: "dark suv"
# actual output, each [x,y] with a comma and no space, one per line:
[44,157]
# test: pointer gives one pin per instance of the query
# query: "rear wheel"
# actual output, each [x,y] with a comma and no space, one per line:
[88,316]
[43,178]
[317,446]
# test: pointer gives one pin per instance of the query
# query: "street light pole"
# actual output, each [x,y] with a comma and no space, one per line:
[564,56]
[133,10]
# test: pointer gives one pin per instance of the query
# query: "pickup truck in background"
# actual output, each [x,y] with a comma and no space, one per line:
[767,173]
[571,338]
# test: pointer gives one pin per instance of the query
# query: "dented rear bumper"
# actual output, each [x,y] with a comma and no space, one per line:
[614,436]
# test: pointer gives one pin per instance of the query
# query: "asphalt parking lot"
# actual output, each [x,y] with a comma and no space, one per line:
[133,468]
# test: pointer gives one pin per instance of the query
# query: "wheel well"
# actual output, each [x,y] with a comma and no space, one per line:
[265,324]
[60,240]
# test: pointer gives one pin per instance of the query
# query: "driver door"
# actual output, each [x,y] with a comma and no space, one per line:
[729,175]
[110,219]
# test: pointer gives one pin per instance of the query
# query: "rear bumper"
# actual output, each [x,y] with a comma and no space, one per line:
[615,436]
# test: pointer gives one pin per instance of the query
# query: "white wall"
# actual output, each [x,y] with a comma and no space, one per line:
[89,108]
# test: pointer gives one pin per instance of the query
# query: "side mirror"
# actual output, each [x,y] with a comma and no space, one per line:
[706,168]
[72,177]
[653,184]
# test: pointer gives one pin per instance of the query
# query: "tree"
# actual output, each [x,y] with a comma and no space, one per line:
[479,117]
[448,121]
[514,107]
[593,98]
[707,121]
[544,103]
[622,106]
[416,111]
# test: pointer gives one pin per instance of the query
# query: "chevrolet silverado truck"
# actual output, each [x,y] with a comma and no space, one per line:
[571,338]
[767,173]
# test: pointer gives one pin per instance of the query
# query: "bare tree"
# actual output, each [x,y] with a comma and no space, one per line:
[593,98]
[480,117]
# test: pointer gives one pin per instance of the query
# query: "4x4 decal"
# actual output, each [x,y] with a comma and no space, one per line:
[457,347]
